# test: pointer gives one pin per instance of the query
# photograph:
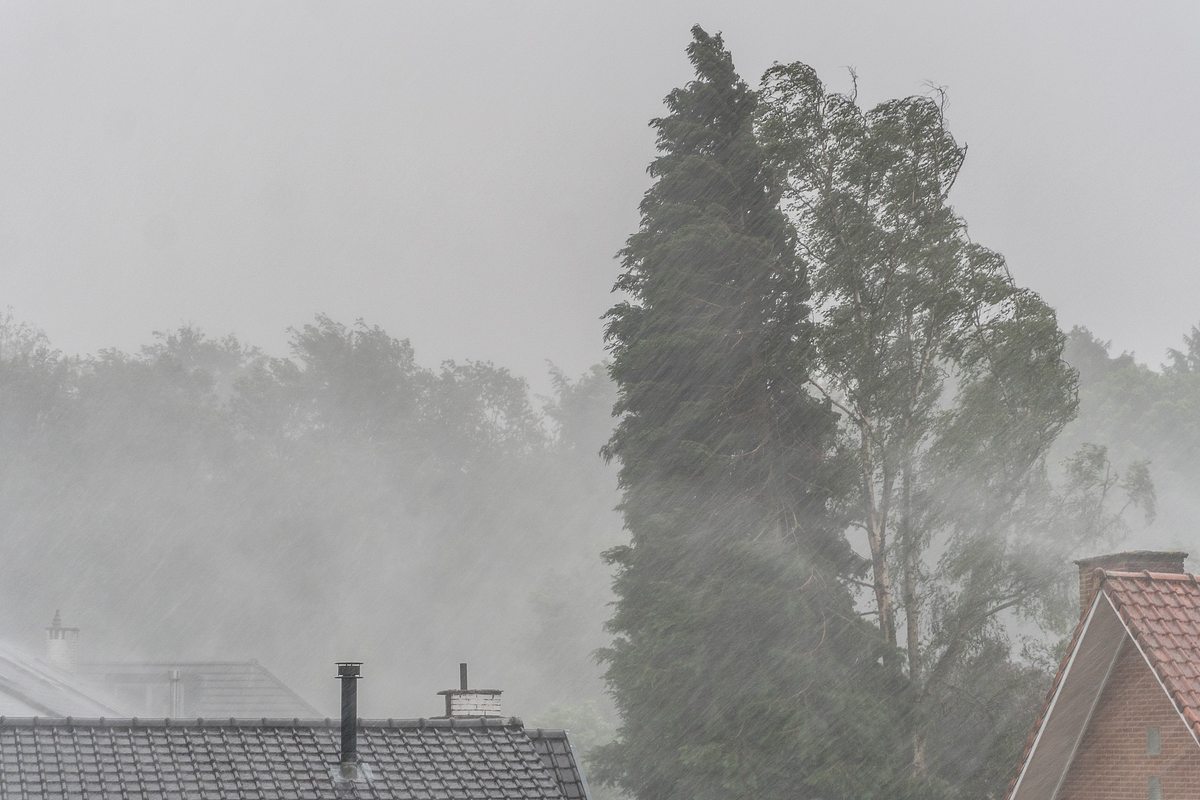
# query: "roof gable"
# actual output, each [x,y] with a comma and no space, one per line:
[1113,759]
[1159,614]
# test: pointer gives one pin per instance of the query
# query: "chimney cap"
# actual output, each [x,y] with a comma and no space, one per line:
[349,669]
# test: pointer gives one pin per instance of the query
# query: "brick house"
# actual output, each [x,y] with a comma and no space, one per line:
[1122,718]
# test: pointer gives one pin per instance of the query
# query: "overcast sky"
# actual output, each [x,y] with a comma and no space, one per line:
[463,173]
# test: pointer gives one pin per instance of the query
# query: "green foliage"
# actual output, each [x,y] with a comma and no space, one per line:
[740,674]
[739,664]
[952,387]
[1148,419]
[33,387]
[1142,414]
[356,500]
[591,725]
[1187,360]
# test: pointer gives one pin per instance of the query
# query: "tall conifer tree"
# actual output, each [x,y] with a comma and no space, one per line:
[736,645]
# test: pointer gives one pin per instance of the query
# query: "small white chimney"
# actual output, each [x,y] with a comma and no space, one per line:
[464,702]
[62,645]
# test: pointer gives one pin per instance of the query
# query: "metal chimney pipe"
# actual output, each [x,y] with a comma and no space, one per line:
[176,693]
[462,675]
[349,674]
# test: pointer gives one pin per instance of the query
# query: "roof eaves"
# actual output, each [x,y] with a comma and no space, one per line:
[1064,667]
[1108,671]
[577,776]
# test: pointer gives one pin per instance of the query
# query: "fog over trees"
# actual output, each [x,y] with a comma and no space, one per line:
[198,499]
[805,534]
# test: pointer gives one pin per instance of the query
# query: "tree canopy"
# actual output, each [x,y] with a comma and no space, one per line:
[740,665]
[952,388]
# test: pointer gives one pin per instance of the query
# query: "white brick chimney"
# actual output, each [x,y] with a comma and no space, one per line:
[62,645]
[464,702]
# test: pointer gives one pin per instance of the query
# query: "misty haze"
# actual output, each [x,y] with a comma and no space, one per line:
[622,402]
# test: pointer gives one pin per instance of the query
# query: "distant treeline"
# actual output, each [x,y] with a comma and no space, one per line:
[199,499]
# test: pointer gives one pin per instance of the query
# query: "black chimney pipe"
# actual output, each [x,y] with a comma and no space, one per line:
[348,672]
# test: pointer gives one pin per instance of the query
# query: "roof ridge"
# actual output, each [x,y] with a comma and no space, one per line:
[173,663]
[1158,576]
[261,722]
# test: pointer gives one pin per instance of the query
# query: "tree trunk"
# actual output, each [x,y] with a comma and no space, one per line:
[909,580]
[912,609]
[919,764]
[876,520]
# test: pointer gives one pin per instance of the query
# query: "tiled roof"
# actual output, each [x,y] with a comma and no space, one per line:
[206,689]
[459,759]
[1162,611]
[30,686]
[556,752]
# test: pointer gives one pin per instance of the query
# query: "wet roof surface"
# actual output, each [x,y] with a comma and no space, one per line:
[1162,611]
[465,759]
[208,688]
[30,686]
[555,749]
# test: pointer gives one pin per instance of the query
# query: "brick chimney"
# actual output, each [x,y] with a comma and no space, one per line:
[1131,561]
[464,702]
[62,645]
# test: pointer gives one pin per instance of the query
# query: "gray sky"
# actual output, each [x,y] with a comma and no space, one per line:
[463,173]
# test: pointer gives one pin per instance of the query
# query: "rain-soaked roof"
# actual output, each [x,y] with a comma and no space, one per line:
[431,759]
[1160,612]
[201,689]
[31,687]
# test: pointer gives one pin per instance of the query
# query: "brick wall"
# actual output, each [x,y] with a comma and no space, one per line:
[1112,762]
[472,703]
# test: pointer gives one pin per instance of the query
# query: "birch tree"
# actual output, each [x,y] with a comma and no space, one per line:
[948,374]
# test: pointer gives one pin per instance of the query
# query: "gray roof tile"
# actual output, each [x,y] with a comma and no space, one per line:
[554,747]
[207,688]
[469,759]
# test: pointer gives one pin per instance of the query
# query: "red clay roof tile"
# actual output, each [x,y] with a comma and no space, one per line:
[1162,611]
